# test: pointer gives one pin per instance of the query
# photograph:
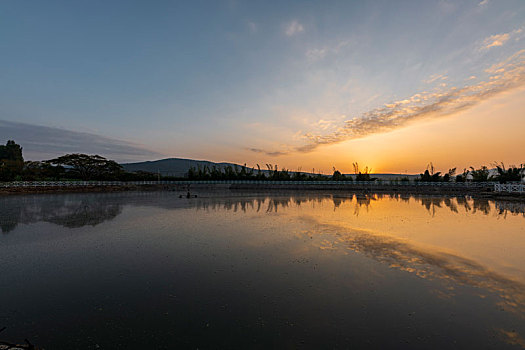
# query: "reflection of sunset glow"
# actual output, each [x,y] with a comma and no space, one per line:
[512,337]
[440,268]
[430,263]
[459,240]
[470,241]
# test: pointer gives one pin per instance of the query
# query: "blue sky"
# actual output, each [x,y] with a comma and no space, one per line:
[238,81]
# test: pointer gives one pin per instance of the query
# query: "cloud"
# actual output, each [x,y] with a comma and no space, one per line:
[504,76]
[294,28]
[269,153]
[42,142]
[483,3]
[435,77]
[316,54]
[427,263]
[500,39]
[325,124]
[496,40]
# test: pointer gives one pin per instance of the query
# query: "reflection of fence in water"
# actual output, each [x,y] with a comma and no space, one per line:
[515,208]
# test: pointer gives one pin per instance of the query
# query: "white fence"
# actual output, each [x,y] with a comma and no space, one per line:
[374,184]
[512,188]
[76,183]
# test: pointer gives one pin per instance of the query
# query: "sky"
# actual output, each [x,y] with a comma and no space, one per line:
[307,85]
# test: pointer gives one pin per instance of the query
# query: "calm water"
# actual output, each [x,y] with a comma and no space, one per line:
[233,270]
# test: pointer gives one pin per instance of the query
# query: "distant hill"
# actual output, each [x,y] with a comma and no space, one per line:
[180,166]
[172,166]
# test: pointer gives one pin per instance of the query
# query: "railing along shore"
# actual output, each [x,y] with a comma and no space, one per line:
[496,187]
[254,182]
[512,188]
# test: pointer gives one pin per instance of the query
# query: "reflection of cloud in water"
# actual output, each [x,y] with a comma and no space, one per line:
[397,253]
[512,337]
[77,210]
[425,262]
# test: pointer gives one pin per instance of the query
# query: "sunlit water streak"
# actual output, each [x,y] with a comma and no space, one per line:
[236,269]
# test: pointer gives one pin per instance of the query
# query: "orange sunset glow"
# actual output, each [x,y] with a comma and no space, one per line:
[239,174]
[292,86]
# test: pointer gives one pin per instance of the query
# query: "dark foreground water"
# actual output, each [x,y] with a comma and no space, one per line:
[233,270]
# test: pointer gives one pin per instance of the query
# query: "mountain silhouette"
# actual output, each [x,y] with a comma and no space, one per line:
[173,166]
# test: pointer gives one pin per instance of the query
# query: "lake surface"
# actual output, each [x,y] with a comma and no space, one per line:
[240,270]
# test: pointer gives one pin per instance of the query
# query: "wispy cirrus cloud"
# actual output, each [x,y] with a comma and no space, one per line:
[483,3]
[293,28]
[43,142]
[500,39]
[435,77]
[316,54]
[269,153]
[503,76]
[496,40]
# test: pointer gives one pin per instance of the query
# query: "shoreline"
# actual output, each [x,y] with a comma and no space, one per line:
[475,192]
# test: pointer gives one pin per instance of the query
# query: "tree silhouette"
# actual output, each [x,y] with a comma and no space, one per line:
[513,173]
[11,161]
[480,175]
[88,167]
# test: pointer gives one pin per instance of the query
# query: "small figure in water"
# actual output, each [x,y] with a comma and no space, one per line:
[188,195]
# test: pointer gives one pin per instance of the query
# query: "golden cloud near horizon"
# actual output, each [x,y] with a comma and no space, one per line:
[503,76]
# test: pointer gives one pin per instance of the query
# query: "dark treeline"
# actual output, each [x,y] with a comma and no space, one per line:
[94,167]
[482,174]
[67,167]
[272,173]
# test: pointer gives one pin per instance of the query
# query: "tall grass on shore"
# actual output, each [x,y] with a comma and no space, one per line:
[94,167]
